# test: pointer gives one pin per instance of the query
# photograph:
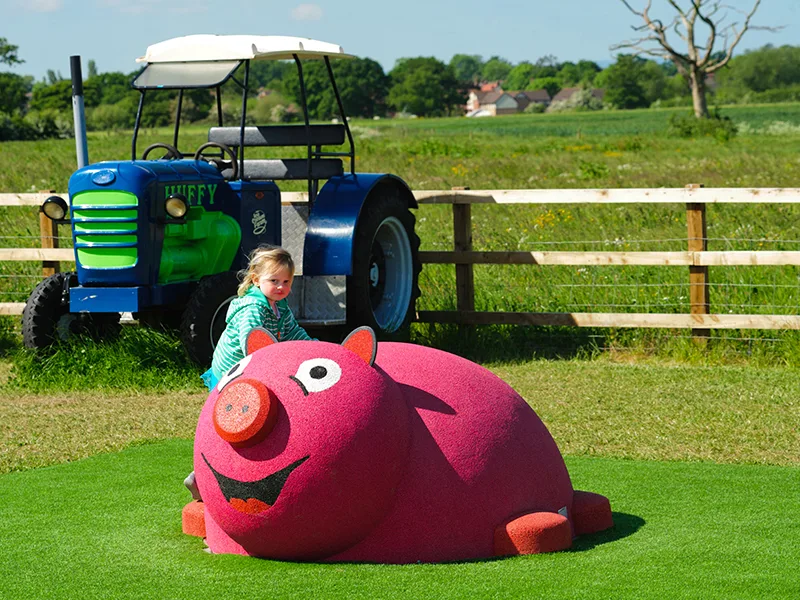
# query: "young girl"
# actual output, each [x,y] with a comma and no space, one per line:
[265,285]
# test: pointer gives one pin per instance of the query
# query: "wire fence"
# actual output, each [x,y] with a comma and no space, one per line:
[582,252]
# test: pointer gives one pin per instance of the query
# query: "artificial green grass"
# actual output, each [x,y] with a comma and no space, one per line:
[109,527]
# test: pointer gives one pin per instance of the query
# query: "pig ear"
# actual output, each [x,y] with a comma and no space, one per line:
[259,338]
[362,342]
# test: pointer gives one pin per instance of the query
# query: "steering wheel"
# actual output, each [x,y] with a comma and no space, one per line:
[233,164]
[172,152]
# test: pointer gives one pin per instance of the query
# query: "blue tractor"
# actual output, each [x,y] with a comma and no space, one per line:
[163,235]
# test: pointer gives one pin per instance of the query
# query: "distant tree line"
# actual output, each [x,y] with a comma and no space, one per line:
[422,86]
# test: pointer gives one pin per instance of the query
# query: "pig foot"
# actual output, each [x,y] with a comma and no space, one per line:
[193,519]
[532,534]
[590,513]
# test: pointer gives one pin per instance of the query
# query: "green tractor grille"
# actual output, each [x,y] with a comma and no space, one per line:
[105,229]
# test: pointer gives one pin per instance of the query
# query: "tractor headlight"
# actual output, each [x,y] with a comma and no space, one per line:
[55,208]
[176,206]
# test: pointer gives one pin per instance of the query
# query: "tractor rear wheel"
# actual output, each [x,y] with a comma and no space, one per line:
[383,288]
[204,317]
[46,317]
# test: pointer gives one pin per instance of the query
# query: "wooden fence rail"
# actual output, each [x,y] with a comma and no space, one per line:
[696,257]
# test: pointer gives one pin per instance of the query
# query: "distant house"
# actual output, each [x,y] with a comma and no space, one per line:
[492,103]
[528,97]
[490,86]
[566,93]
[498,102]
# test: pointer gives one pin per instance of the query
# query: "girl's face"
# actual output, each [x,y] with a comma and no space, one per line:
[275,285]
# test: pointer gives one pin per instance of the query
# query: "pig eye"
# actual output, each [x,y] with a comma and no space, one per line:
[318,374]
[234,372]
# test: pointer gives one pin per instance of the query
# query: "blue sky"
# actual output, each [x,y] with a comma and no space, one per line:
[115,32]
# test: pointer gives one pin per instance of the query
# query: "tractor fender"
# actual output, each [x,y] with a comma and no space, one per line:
[328,247]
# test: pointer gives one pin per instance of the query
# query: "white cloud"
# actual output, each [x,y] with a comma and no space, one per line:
[140,7]
[43,6]
[307,12]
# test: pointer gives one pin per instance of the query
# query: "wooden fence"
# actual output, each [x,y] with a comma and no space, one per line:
[696,257]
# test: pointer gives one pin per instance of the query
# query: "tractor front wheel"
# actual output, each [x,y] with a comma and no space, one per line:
[204,317]
[46,317]
[383,288]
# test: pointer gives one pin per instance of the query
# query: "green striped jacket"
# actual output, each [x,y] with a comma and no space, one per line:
[245,313]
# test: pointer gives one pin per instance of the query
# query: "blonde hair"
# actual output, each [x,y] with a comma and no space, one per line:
[264,260]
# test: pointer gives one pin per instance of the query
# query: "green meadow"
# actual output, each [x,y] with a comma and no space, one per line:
[607,149]
[700,465]
[584,150]
[695,446]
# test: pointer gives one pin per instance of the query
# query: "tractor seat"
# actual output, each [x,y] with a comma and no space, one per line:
[283,135]
[288,168]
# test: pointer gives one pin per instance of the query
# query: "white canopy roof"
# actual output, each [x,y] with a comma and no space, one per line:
[202,47]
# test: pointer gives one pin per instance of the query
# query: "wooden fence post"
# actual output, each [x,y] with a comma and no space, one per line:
[462,239]
[48,232]
[699,300]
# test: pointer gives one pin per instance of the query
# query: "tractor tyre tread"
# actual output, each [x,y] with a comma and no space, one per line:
[359,310]
[199,312]
[42,311]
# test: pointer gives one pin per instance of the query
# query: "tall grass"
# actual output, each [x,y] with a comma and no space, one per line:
[607,149]
[138,359]
[602,149]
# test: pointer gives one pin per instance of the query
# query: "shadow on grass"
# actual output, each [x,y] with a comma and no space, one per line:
[624,525]
[9,337]
[509,343]
[519,344]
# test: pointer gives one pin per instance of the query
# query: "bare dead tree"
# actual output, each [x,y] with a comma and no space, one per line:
[708,19]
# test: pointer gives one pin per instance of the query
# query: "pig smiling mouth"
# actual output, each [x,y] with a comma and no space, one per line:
[253,497]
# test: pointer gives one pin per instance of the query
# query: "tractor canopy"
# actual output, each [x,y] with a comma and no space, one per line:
[209,61]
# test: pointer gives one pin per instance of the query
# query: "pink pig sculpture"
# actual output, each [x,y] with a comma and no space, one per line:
[378,452]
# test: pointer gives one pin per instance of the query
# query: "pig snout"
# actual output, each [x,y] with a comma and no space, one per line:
[245,412]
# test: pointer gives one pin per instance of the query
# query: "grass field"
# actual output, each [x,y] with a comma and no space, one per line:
[600,149]
[594,408]
[697,448]
[701,465]
[580,150]
[108,527]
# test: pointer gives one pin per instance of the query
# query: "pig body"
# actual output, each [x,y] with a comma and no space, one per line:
[421,456]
